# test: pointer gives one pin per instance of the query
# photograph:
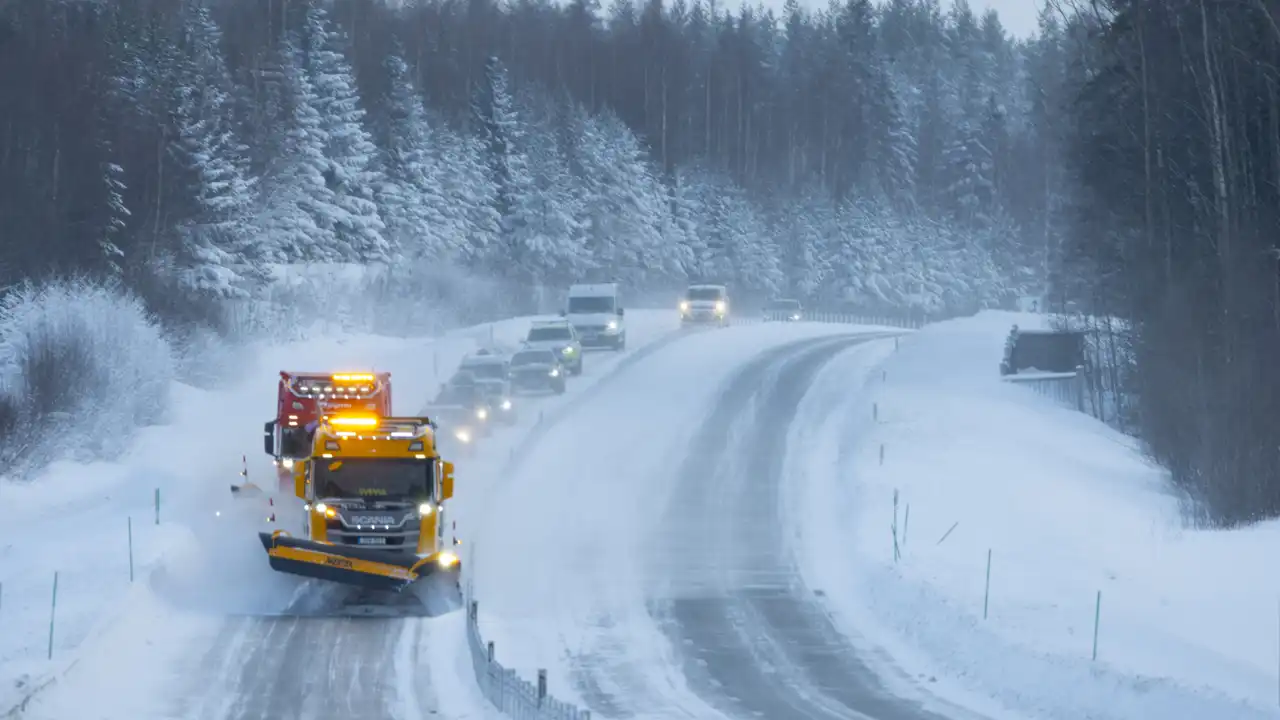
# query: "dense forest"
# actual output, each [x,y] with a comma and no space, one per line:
[882,157]
[246,165]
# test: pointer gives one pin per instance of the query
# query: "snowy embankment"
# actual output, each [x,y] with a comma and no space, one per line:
[1076,524]
[564,549]
[75,519]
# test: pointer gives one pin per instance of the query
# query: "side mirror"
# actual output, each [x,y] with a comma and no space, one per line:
[619,312]
[446,481]
[269,438]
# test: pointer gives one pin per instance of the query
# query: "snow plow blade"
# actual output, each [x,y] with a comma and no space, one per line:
[357,566]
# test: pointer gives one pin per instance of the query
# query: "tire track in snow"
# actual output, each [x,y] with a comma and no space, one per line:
[755,644]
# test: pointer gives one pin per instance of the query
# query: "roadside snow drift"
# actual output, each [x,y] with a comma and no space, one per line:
[1076,523]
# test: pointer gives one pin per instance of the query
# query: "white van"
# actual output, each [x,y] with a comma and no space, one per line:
[595,311]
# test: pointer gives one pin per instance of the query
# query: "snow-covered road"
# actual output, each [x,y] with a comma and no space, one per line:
[639,552]
[753,641]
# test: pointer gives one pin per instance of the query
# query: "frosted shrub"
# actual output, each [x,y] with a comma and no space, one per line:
[83,358]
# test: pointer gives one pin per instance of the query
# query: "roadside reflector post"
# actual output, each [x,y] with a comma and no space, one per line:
[906,522]
[881,453]
[875,411]
[157,506]
[130,548]
[894,526]
[986,593]
[53,612]
[1097,615]
[490,649]
[542,686]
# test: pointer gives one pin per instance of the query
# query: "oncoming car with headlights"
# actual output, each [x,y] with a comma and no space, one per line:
[537,370]
[374,492]
[705,305]
[491,373]
[559,337]
[461,410]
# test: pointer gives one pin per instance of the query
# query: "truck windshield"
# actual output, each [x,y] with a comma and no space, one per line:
[703,293]
[590,304]
[373,478]
[548,333]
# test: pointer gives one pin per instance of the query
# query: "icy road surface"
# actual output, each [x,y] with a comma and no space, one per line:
[754,641]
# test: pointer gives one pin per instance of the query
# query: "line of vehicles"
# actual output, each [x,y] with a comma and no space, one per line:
[373,487]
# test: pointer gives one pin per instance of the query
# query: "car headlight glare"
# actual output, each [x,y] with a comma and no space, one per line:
[463,435]
[425,509]
[613,325]
[568,350]
[506,404]
[684,306]
[555,373]
[482,413]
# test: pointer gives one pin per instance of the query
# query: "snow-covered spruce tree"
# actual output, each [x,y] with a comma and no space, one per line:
[352,173]
[296,206]
[517,255]
[411,194]
[215,253]
[553,229]
[624,205]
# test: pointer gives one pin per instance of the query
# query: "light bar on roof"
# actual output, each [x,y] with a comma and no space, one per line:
[353,377]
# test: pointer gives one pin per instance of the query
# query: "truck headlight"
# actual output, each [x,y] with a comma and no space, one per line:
[568,350]
[447,559]
[684,306]
[720,306]
[425,509]
[555,373]
[482,413]
[287,463]
[506,404]
[613,325]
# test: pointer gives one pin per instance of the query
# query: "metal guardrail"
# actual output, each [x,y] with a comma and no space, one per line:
[1064,388]
[907,322]
[504,689]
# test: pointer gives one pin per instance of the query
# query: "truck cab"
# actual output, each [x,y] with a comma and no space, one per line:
[303,398]
[374,492]
[705,305]
[597,315]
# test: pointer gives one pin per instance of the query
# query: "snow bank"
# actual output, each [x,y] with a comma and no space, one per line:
[81,368]
[1066,507]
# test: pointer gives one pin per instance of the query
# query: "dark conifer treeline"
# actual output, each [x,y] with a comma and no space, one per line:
[889,155]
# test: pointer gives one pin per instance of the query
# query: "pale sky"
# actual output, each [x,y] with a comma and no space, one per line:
[1018,16]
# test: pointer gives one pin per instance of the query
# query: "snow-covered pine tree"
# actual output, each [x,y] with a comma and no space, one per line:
[296,206]
[215,245]
[352,173]
[411,194]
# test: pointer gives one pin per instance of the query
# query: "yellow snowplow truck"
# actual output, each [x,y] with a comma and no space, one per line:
[374,492]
